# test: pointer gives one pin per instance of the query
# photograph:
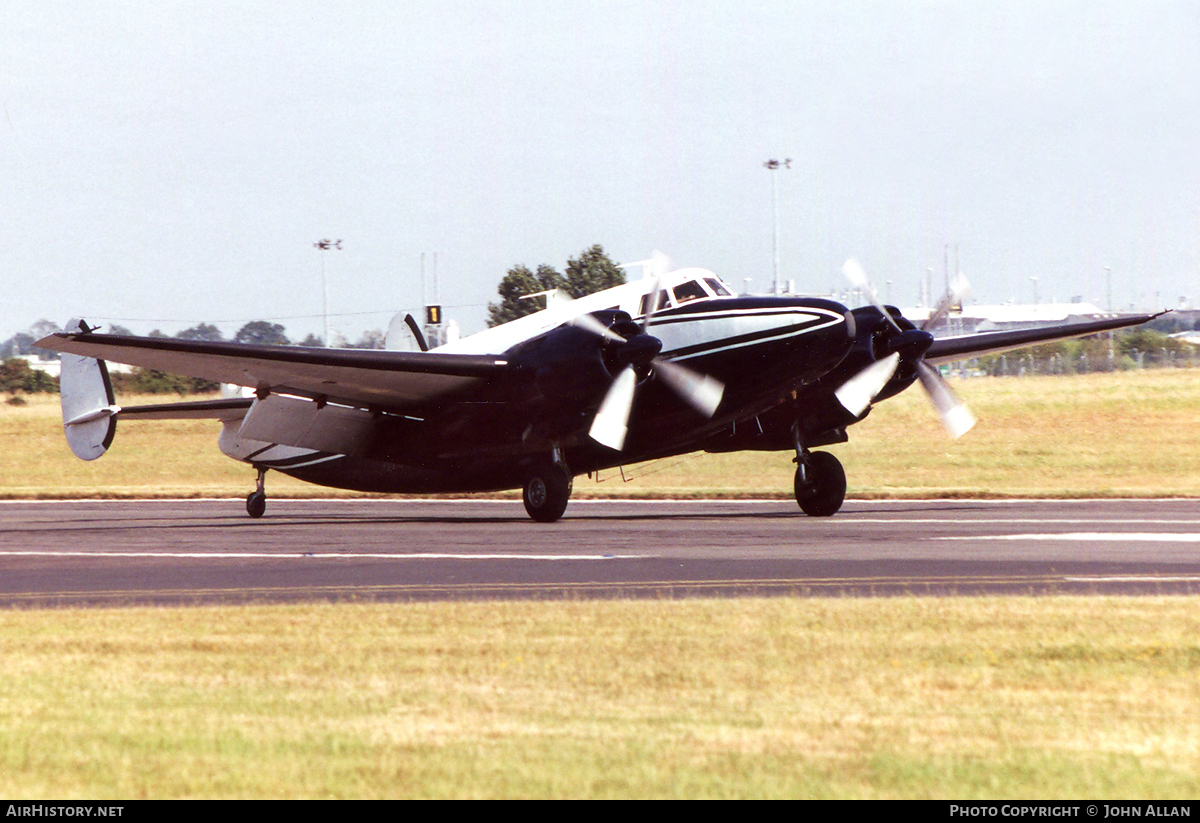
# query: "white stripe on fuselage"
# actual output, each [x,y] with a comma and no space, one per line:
[708,329]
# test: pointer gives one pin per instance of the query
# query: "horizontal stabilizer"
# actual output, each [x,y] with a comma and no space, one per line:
[227,408]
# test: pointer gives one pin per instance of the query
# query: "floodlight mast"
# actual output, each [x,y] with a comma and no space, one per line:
[324,246]
[774,165]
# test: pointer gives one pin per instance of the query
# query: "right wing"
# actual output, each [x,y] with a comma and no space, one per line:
[963,347]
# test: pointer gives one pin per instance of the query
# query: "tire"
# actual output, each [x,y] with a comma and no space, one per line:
[546,493]
[825,494]
[256,504]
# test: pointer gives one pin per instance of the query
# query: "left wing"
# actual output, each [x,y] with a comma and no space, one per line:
[949,349]
[376,378]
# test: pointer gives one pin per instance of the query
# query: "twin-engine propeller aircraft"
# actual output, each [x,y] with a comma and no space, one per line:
[666,365]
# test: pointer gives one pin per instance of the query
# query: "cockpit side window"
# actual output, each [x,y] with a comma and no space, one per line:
[664,301]
[691,290]
[717,287]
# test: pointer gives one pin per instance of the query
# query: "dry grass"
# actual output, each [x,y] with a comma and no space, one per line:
[1029,698]
[1128,434]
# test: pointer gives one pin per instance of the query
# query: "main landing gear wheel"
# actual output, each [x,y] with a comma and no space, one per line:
[256,503]
[821,493]
[547,492]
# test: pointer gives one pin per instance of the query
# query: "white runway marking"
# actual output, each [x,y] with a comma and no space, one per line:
[1136,578]
[321,555]
[1123,521]
[1091,537]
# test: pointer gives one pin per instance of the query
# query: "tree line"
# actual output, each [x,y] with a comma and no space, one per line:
[592,271]
[17,376]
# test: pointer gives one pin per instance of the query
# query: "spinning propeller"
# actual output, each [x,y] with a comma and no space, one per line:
[639,352]
[858,392]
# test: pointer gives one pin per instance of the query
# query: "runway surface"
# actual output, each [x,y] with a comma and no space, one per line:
[136,552]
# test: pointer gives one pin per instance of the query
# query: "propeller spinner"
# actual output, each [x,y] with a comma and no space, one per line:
[956,417]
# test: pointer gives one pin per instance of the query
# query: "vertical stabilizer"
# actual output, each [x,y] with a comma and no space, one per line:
[88,407]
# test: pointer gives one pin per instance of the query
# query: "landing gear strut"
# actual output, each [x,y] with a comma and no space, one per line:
[256,503]
[547,491]
[820,484]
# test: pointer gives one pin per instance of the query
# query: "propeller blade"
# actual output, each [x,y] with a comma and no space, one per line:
[959,289]
[956,417]
[589,323]
[562,311]
[611,422]
[858,392]
[660,267]
[858,278]
[703,393]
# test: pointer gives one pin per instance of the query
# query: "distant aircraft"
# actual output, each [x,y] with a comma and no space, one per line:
[670,364]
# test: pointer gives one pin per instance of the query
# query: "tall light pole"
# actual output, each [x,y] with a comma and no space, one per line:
[324,246]
[774,165]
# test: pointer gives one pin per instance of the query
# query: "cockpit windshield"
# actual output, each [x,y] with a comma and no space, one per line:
[691,290]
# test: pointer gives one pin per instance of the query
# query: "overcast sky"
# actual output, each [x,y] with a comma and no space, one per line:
[165,163]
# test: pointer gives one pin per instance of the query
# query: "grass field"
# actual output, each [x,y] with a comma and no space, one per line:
[874,698]
[973,698]
[1125,434]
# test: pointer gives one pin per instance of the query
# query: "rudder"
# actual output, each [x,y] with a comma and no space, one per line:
[89,408]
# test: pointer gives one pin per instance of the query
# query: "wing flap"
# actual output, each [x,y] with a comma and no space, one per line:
[293,421]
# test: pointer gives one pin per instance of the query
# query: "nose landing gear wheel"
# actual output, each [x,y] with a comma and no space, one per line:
[821,492]
[547,492]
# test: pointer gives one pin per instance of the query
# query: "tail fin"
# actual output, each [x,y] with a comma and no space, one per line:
[88,407]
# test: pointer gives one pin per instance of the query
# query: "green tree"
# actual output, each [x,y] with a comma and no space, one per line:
[261,332]
[519,282]
[371,339]
[17,375]
[152,381]
[19,343]
[204,331]
[591,272]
